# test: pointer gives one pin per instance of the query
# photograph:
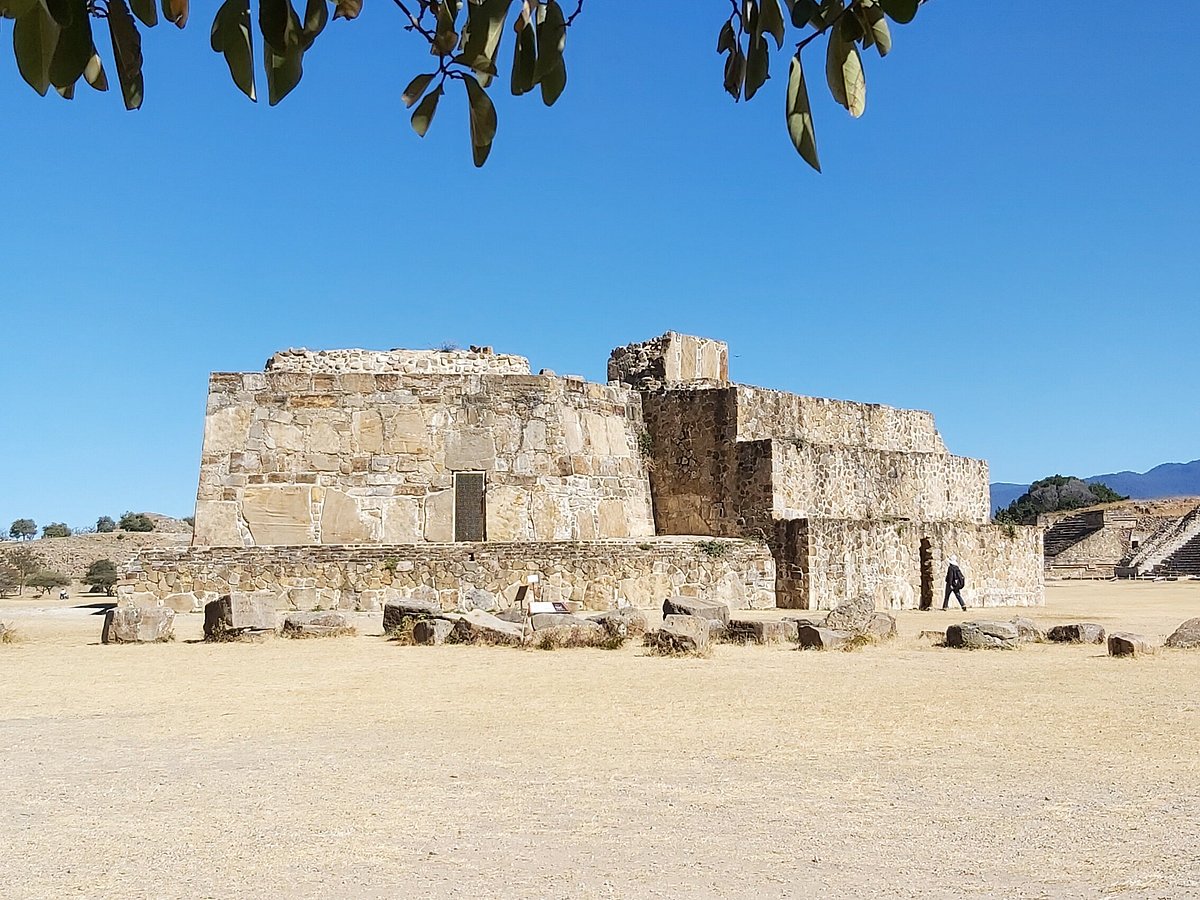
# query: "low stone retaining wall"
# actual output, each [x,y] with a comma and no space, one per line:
[458,576]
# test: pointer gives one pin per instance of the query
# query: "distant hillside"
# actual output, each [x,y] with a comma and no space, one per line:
[1054,494]
[1167,480]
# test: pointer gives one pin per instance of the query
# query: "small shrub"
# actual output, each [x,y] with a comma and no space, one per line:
[1009,530]
[105,525]
[568,638]
[403,633]
[715,549]
[389,566]
[644,546]
[858,642]
[191,520]
[132,521]
[8,634]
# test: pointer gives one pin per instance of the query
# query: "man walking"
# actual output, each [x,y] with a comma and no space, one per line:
[955,582]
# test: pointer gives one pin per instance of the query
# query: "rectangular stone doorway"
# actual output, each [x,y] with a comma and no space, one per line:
[470,509]
[927,573]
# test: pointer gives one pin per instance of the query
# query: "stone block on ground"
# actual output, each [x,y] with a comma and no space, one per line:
[237,615]
[138,625]
[691,606]
[578,633]
[479,627]
[680,634]
[1027,631]
[1186,636]
[773,631]
[983,636]
[810,637]
[623,622]
[432,631]
[1125,643]
[881,626]
[512,614]
[541,621]
[397,612]
[852,615]
[1077,633]
[317,624]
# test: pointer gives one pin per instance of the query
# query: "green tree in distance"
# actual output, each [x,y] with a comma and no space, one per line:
[105,525]
[56,529]
[22,530]
[132,521]
[54,46]
[102,576]
[46,581]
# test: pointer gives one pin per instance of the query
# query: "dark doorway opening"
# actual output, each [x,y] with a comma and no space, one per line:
[470,511]
[926,573]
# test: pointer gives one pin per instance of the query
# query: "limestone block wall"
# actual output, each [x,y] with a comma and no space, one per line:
[821,563]
[1002,565]
[763,413]
[318,458]
[670,359]
[458,576]
[476,361]
[842,482]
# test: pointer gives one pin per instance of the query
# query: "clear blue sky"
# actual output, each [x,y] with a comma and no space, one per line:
[1008,237]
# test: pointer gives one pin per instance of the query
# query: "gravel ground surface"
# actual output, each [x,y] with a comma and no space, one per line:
[357,768]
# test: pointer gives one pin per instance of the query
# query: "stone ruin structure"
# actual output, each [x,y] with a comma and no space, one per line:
[1133,539]
[346,478]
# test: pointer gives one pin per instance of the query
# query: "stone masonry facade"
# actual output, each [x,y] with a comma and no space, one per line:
[343,478]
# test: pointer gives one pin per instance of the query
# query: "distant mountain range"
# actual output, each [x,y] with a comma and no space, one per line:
[1167,480]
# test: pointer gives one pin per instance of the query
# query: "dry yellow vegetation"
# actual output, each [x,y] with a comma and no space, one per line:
[359,768]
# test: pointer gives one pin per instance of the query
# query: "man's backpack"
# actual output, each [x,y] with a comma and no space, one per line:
[957,580]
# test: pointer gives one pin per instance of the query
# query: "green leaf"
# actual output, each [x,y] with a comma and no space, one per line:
[74,48]
[551,40]
[875,29]
[316,16]
[127,52]
[416,88]
[901,11]
[231,37]
[283,47]
[284,71]
[146,11]
[445,38]
[524,61]
[726,39]
[422,116]
[93,73]
[14,9]
[803,11]
[799,115]
[481,36]
[770,20]
[35,35]
[844,71]
[827,13]
[735,73]
[274,17]
[483,120]
[347,9]
[67,92]
[553,84]
[757,64]
[175,12]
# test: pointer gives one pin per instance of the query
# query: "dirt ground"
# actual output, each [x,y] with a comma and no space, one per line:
[358,768]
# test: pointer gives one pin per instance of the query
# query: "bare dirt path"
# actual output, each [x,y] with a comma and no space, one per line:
[355,768]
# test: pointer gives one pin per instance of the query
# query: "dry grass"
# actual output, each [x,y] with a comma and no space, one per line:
[8,633]
[266,770]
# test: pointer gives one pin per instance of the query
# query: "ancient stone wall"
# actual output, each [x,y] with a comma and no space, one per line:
[763,413]
[1002,564]
[668,360]
[841,482]
[821,563]
[476,361]
[459,576]
[294,458]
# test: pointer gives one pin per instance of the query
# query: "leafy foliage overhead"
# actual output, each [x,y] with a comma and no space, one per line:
[55,47]
[1054,494]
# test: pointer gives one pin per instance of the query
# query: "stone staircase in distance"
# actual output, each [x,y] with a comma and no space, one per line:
[1070,531]
[1175,551]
